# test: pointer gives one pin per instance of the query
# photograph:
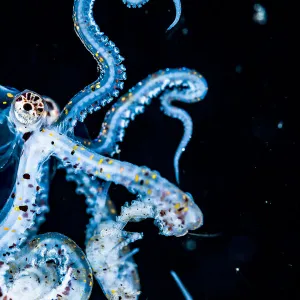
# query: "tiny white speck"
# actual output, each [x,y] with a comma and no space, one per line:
[260,15]
[238,68]
[237,269]
[280,125]
[183,149]
[185,31]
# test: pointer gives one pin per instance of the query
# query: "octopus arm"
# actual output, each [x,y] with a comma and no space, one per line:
[50,266]
[112,72]
[172,84]
[96,193]
[175,211]
[20,210]
[140,3]
[187,122]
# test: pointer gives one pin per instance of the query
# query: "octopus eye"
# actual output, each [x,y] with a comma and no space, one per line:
[29,108]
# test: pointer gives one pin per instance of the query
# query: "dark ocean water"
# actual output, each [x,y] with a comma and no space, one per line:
[242,168]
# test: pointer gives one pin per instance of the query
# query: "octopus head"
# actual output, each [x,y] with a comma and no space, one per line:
[29,111]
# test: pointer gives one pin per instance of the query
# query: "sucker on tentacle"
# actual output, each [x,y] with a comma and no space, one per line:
[112,73]
[172,84]
[50,266]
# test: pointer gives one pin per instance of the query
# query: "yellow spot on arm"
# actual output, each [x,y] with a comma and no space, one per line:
[6,228]
[100,161]
[17,208]
[108,176]
[4,102]
[149,192]
[10,95]
[154,176]
[136,179]
[177,205]
[110,162]
[92,156]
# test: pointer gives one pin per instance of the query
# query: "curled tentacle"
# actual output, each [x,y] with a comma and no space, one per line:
[51,266]
[188,86]
[178,14]
[112,72]
[140,3]
[175,211]
[112,262]
[187,122]
[173,84]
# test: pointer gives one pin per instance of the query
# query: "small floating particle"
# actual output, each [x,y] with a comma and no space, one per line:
[260,15]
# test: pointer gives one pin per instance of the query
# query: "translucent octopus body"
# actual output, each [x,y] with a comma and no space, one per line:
[34,123]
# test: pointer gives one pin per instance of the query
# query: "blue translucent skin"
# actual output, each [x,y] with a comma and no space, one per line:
[8,138]
[51,264]
[6,96]
[11,143]
[174,212]
[140,3]
[112,72]
[182,85]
